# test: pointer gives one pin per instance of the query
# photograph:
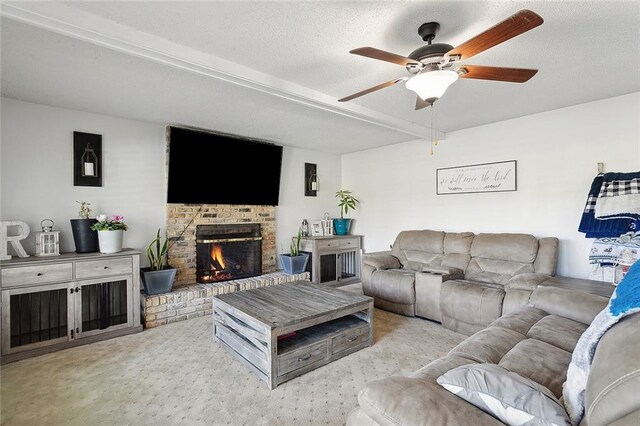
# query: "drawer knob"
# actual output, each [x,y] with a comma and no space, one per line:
[40,274]
[106,267]
[304,358]
[353,339]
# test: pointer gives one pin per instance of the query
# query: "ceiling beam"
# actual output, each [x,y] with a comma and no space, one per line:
[94,29]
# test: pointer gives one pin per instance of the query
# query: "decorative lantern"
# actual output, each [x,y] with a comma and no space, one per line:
[47,241]
[89,162]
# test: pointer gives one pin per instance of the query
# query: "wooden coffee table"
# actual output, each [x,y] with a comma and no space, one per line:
[286,330]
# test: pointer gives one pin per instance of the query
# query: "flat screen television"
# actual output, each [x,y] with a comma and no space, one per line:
[216,168]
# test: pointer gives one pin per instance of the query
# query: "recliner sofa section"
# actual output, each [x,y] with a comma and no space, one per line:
[463,280]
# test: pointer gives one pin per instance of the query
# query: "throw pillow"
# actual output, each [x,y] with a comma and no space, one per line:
[513,399]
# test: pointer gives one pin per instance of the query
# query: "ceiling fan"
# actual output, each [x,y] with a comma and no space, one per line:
[435,66]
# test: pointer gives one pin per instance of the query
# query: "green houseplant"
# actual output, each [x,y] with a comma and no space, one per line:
[158,277]
[84,238]
[346,202]
[294,262]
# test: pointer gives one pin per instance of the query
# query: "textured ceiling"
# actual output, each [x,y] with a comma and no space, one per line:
[584,51]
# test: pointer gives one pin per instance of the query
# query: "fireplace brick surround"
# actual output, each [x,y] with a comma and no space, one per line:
[182,254]
[189,299]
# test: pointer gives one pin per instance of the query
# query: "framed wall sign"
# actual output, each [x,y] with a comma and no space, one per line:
[87,159]
[487,177]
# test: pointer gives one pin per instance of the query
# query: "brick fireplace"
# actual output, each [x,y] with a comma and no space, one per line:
[182,254]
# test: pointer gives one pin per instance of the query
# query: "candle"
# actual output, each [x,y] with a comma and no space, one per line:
[88,169]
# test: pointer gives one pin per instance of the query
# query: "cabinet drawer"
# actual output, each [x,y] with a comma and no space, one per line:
[325,244]
[41,274]
[350,338]
[301,358]
[102,268]
[349,243]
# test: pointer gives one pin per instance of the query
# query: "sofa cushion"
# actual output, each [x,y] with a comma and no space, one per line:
[496,271]
[467,307]
[521,248]
[539,361]
[521,320]
[488,345]
[394,285]
[458,242]
[457,248]
[438,367]
[421,246]
[508,396]
[558,331]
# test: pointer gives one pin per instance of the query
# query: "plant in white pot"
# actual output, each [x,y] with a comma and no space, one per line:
[158,277]
[110,232]
[84,238]
[346,202]
[294,262]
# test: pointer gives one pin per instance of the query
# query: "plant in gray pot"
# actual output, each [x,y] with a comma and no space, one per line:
[84,238]
[294,262]
[346,202]
[158,277]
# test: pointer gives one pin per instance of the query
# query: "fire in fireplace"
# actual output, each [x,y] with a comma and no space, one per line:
[228,252]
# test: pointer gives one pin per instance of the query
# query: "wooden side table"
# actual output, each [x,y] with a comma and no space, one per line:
[334,260]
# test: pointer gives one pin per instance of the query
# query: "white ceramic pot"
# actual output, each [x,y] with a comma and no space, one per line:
[110,241]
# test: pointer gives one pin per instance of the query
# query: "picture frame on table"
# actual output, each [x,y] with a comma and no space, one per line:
[315,228]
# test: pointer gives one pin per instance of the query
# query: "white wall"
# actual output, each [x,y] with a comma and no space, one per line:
[36,176]
[557,153]
[37,171]
[294,206]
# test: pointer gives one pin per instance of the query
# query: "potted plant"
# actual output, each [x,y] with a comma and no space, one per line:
[85,238]
[110,232]
[294,262]
[158,277]
[346,202]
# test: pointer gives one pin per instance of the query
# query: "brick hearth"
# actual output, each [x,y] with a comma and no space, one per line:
[195,300]
[182,254]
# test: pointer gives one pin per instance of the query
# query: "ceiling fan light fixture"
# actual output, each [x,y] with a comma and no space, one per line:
[431,85]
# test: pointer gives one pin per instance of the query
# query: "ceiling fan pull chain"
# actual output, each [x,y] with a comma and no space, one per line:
[432,131]
[435,127]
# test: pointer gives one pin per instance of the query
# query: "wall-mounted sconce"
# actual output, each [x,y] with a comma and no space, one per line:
[87,159]
[310,179]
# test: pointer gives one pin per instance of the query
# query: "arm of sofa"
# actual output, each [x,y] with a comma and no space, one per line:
[381,261]
[529,281]
[408,401]
[518,290]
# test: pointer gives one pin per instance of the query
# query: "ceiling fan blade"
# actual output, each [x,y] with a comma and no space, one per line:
[514,25]
[421,103]
[513,75]
[374,53]
[371,89]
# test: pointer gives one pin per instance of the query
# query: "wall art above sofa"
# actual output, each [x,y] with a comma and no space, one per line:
[488,177]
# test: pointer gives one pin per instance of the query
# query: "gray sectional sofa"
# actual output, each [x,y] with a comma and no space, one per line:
[463,280]
[535,341]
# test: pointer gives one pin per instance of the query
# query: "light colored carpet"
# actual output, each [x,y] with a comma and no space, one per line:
[177,374]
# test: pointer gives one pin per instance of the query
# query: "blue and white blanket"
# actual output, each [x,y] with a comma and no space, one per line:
[624,301]
[608,250]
